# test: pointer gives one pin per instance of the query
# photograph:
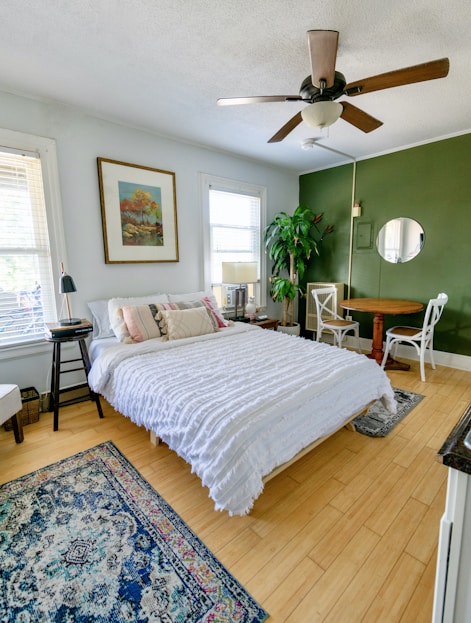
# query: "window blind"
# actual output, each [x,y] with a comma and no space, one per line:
[234,230]
[26,283]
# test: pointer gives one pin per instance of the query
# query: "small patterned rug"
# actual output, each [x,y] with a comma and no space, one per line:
[88,539]
[378,422]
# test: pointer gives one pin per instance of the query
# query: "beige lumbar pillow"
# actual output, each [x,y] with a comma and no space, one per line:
[181,323]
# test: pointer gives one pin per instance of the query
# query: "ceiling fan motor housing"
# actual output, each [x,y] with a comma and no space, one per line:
[313,94]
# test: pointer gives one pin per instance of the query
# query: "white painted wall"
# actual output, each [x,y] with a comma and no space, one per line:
[80,139]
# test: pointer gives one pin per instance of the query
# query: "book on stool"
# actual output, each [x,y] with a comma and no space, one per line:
[54,330]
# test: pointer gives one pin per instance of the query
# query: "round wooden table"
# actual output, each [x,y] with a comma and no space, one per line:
[380,307]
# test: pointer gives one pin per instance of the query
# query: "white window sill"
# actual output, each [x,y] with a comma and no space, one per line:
[18,351]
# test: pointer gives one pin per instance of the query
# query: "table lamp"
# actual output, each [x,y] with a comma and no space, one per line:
[66,286]
[240,273]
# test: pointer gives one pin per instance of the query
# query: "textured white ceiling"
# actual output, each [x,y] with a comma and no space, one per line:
[162,64]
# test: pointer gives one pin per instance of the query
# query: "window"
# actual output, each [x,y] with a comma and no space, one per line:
[28,180]
[235,214]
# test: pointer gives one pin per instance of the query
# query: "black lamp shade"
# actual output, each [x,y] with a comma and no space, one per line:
[66,285]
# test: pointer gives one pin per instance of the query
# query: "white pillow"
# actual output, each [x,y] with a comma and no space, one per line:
[100,319]
[181,323]
[189,296]
[115,312]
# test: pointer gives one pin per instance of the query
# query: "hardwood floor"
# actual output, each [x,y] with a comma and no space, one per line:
[348,534]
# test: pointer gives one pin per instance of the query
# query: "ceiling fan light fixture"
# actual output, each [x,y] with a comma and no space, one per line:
[321,114]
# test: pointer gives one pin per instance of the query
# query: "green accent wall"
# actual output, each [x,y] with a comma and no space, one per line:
[431,184]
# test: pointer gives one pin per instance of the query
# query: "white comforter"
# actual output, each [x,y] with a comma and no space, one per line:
[238,403]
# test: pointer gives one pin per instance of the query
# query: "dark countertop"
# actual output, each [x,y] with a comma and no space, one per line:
[454,452]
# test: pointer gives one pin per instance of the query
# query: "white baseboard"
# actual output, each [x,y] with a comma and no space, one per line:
[449,360]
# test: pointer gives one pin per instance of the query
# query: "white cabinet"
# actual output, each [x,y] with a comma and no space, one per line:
[311,314]
[452,577]
[452,599]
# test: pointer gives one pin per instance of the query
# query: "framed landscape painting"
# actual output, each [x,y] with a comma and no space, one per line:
[139,213]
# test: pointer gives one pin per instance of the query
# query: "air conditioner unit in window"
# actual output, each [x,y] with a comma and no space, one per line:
[229,297]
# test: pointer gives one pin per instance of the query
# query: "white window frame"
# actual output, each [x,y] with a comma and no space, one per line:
[209,182]
[46,149]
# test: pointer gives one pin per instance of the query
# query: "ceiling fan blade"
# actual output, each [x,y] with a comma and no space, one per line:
[360,119]
[323,50]
[399,77]
[257,99]
[286,129]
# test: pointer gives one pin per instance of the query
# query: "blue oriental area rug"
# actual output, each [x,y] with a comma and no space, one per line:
[88,539]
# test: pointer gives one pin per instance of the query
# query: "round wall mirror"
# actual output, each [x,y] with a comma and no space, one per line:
[400,240]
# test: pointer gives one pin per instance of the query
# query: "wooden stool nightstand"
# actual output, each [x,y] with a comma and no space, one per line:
[58,335]
[268,323]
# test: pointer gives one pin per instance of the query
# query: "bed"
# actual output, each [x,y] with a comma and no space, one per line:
[237,403]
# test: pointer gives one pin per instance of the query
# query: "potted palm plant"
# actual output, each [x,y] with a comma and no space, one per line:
[290,241]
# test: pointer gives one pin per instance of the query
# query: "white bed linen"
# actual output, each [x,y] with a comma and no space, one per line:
[101,344]
[237,403]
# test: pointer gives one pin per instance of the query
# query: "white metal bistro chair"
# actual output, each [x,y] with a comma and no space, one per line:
[419,337]
[329,320]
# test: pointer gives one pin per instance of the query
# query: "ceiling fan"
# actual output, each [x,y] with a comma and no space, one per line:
[325,85]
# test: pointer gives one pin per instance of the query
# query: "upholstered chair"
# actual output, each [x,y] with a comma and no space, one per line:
[10,405]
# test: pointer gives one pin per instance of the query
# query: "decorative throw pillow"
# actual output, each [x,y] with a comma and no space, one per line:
[213,308]
[141,322]
[115,311]
[208,299]
[161,321]
[181,323]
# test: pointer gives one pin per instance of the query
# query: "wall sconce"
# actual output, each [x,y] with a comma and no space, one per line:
[356,210]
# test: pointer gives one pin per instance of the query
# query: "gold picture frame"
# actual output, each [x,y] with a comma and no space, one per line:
[138,213]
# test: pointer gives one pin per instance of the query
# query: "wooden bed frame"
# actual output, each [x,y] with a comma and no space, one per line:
[348,424]
[155,440]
